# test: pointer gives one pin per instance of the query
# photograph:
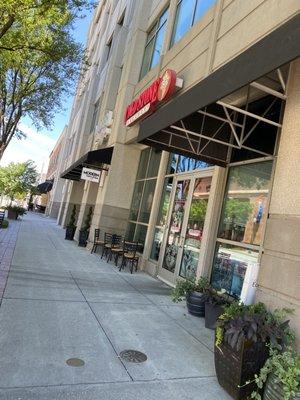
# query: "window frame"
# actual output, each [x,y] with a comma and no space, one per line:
[158,27]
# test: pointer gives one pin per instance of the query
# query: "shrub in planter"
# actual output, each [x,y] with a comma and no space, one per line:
[193,290]
[280,376]
[215,303]
[71,227]
[84,232]
[241,348]
[13,212]
[5,224]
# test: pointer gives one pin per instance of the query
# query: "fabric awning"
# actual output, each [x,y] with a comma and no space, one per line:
[45,187]
[176,127]
[95,159]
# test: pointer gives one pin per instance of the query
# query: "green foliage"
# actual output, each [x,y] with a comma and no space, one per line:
[17,209]
[88,220]
[285,367]
[72,222]
[254,323]
[39,61]
[237,211]
[188,285]
[5,224]
[17,179]
[198,210]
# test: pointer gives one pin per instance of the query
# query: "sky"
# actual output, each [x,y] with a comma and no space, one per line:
[38,145]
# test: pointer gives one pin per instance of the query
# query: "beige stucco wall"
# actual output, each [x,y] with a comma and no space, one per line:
[279,277]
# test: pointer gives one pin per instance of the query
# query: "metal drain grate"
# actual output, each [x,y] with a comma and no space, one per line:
[75,362]
[133,356]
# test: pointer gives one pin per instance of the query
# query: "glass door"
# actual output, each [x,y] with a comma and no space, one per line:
[183,234]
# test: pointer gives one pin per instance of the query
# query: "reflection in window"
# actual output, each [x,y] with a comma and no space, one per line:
[136,200]
[244,210]
[154,44]
[229,268]
[147,201]
[164,202]
[194,231]
[186,164]
[187,14]
[156,245]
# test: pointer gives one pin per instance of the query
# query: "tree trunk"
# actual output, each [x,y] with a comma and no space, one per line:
[2,150]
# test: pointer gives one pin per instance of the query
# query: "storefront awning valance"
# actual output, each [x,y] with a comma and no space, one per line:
[45,187]
[179,126]
[95,159]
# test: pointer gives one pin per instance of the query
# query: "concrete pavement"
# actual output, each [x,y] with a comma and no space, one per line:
[61,302]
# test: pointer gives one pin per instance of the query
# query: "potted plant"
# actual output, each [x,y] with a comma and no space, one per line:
[13,212]
[84,232]
[243,336]
[280,376]
[193,291]
[71,227]
[215,301]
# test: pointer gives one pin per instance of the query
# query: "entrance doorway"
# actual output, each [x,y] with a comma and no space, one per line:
[181,247]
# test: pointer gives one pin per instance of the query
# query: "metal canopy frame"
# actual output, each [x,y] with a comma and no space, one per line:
[234,117]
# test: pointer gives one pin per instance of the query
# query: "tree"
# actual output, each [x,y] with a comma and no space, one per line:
[17,179]
[39,61]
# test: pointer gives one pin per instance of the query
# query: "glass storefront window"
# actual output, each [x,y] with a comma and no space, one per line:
[164,202]
[136,200]
[186,164]
[144,159]
[129,235]
[156,244]
[194,230]
[154,163]
[187,14]
[140,236]
[147,201]
[244,210]
[229,267]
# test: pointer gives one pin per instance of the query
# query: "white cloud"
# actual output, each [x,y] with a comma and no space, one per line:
[36,146]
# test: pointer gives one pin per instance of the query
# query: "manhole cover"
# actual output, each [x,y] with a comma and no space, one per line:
[133,356]
[75,362]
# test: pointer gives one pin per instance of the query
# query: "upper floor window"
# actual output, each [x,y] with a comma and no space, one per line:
[95,115]
[154,44]
[109,45]
[187,14]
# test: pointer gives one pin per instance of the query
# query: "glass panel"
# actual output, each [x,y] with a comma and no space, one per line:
[147,58]
[186,164]
[158,46]
[140,236]
[157,241]
[164,202]
[194,231]
[147,200]
[229,268]
[129,235]
[171,169]
[183,20]
[244,210]
[201,8]
[154,163]
[173,240]
[143,164]
[136,201]
[163,18]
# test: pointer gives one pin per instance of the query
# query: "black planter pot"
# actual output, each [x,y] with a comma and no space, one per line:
[195,304]
[83,237]
[235,368]
[212,313]
[274,390]
[70,232]
[11,214]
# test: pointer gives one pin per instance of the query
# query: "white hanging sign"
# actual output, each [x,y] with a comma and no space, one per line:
[89,174]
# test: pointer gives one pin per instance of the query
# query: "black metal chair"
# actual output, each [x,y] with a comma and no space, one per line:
[116,248]
[110,241]
[2,215]
[97,240]
[129,255]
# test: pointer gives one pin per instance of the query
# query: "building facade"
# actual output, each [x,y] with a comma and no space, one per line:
[189,111]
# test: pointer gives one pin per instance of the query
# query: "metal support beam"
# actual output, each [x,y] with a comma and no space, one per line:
[268,90]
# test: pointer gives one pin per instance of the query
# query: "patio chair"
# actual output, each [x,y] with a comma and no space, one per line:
[97,241]
[129,255]
[110,241]
[116,248]
[2,214]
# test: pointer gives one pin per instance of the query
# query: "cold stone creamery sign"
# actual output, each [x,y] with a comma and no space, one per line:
[160,90]
[89,174]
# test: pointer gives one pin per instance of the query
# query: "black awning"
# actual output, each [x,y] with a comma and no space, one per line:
[272,52]
[95,159]
[45,187]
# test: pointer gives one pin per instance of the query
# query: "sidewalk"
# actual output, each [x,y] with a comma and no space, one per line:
[61,302]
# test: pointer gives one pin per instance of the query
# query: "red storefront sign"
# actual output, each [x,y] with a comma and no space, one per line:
[159,90]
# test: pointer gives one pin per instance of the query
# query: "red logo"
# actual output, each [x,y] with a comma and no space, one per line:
[160,90]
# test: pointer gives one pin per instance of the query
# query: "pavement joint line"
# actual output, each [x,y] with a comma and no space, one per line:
[173,319]
[102,328]
[135,382]
[77,301]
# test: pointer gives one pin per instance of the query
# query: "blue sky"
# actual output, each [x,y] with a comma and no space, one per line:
[38,145]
